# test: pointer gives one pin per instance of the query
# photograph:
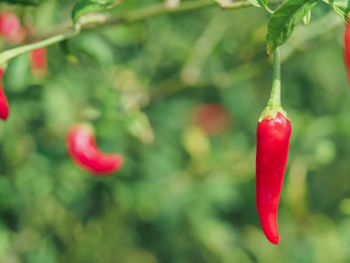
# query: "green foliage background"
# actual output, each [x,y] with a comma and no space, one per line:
[182,196]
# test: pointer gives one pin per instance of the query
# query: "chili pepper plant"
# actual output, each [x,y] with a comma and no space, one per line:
[174,131]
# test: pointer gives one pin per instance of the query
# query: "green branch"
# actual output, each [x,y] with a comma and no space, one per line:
[95,21]
[9,54]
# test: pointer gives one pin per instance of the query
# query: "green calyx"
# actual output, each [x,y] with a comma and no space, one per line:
[274,103]
[271,113]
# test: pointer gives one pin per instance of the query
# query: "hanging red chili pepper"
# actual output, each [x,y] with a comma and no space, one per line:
[38,60]
[347,49]
[4,106]
[273,134]
[81,145]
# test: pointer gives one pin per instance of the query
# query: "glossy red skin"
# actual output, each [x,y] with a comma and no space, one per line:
[4,106]
[38,60]
[81,145]
[10,27]
[347,49]
[271,158]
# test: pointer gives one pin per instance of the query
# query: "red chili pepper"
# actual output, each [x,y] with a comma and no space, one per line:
[273,134]
[38,61]
[81,145]
[10,27]
[347,49]
[212,118]
[271,159]
[4,106]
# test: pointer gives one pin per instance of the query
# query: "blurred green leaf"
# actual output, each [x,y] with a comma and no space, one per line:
[341,7]
[24,2]
[259,3]
[96,47]
[256,3]
[307,18]
[140,127]
[17,75]
[84,7]
[64,45]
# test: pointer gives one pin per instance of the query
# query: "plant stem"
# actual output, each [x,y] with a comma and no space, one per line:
[133,16]
[275,97]
[160,9]
[9,54]
[274,103]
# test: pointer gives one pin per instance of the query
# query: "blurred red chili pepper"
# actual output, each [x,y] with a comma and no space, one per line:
[347,49]
[4,107]
[38,61]
[271,158]
[273,134]
[213,118]
[10,27]
[81,145]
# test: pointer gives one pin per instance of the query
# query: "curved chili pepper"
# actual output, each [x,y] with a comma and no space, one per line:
[38,61]
[347,49]
[4,106]
[81,145]
[273,134]
[271,158]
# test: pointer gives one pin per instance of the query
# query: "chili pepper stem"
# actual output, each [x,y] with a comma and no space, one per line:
[274,103]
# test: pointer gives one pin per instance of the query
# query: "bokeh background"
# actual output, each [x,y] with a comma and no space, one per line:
[187,192]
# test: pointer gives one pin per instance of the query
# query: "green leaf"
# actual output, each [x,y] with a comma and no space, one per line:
[64,46]
[255,3]
[17,74]
[23,2]
[96,47]
[226,3]
[307,18]
[264,4]
[84,7]
[341,7]
[283,20]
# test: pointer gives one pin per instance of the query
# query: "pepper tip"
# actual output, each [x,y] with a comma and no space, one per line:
[274,240]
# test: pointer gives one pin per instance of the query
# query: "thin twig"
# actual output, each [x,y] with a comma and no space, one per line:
[133,16]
